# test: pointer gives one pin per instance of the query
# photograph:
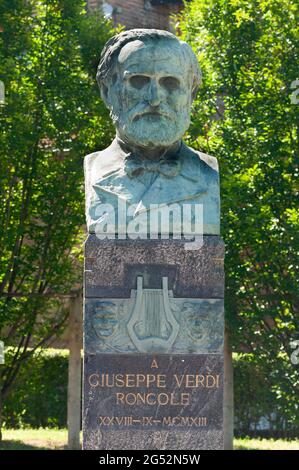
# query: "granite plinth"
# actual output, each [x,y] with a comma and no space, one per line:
[112,267]
[149,300]
[154,440]
[153,402]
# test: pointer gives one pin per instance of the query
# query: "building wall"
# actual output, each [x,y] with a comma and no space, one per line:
[140,13]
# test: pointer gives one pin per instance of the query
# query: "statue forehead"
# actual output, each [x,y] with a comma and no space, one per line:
[138,53]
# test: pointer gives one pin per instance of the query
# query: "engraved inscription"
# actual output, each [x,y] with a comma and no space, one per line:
[154,392]
[191,421]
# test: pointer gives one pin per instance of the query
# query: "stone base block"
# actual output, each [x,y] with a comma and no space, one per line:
[112,267]
[153,401]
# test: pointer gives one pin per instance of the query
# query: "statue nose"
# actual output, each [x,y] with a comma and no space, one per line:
[155,97]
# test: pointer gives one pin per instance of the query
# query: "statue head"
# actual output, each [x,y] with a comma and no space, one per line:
[148,79]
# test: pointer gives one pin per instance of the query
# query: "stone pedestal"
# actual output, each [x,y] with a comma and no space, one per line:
[153,344]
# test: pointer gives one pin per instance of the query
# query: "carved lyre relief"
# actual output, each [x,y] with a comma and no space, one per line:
[152,326]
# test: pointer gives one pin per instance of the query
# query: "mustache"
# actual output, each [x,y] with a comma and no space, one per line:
[155,111]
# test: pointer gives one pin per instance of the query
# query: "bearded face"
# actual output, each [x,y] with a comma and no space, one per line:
[150,94]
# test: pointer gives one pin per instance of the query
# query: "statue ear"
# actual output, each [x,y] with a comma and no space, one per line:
[105,94]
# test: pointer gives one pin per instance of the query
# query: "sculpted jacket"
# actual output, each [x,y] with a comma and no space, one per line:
[115,177]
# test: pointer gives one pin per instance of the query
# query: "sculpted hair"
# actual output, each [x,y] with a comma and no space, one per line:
[113,47]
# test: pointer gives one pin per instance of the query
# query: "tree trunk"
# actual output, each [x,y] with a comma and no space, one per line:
[1,417]
[228,408]
[74,374]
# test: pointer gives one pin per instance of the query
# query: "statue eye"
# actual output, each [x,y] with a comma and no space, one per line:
[139,81]
[170,83]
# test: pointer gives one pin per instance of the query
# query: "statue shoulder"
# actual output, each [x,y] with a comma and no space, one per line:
[212,162]
[208,162]
[91,157]
[97,163]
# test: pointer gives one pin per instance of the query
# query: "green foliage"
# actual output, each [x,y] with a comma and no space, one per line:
[248,52]
[264,395]
[39,397]
[52,117]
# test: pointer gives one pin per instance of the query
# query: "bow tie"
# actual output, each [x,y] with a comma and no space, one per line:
[166,167]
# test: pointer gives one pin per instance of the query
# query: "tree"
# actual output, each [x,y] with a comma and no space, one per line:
[51,118]
[244,115]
